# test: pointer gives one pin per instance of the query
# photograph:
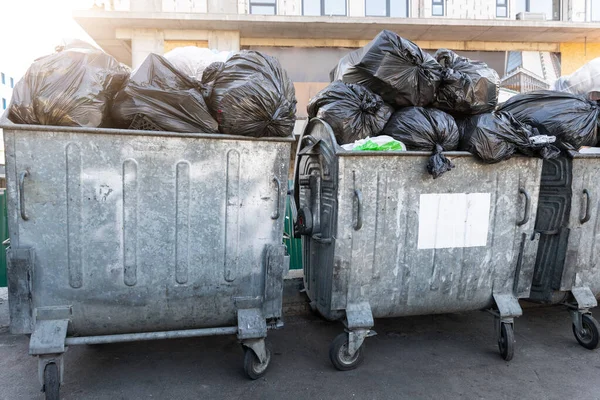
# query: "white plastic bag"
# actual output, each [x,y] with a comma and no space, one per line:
[192,61]
[586,79]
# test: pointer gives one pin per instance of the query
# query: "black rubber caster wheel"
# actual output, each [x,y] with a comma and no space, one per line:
[51,382]
[338,354]
[506,343]
[589,336]
[252,365]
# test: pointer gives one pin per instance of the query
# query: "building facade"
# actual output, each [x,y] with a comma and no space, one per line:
[554,37]
[7,83]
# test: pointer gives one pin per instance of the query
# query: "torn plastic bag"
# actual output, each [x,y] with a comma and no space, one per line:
[571,118]
[251,95]
[583,81]
[495,137]
[467,86]
[192,60]
[425,129]
[352,111]
[165,96]
[73,87]
[378,143]
[393,67]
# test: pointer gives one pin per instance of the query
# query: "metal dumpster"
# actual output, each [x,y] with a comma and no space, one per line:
[123,235]
[381,238]
[568,222]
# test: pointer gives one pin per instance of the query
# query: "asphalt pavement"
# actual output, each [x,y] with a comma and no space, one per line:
[450,356]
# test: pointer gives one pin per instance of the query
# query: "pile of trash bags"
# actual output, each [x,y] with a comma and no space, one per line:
[393,67]
[467,87]
[571,118]
[165,96]
[426,93]
[72,87]
[188,90]
[250,94]
[352,111]
[497,136]
[425,129]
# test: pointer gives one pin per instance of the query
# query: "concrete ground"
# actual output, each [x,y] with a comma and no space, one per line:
[430,357]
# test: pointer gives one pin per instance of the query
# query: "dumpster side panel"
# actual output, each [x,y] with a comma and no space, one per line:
[145,233]
[581,261]
[435,246]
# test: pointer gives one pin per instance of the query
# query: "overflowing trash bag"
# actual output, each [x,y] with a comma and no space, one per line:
[72,87]
[352,111]
[250,94]
[394,68]
[168,98]
[425,129]
[192,60]
[494,137]
[571,118]
[378,143]
[583,81]
[468,87]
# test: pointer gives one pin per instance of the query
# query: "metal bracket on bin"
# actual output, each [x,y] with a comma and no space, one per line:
[508,308]
[50,330]
[359,319]
[252,330]
[584,300]
[251,324]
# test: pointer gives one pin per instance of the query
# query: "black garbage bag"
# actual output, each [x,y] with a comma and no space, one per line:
[425,129]
[467,86]
[250,94]
[73,87]
[352,111]
[497,136]
[571,118]
[170,99]
[393,67]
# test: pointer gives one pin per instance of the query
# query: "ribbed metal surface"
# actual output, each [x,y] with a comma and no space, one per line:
[386,262]
[151,232]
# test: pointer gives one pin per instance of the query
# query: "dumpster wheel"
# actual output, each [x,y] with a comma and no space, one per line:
[252,365]
[589,337]
[506,342]
[51,382]
[338,354]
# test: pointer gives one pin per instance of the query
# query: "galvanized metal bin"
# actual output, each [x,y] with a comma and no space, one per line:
[121,235]
[568,222]
[381,238]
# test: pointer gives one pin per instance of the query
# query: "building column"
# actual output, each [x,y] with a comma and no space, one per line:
[144,42]
[224,40]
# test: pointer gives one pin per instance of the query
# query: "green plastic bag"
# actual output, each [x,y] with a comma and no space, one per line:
[377,143]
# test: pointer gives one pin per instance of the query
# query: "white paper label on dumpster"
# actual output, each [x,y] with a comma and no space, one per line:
[453,220]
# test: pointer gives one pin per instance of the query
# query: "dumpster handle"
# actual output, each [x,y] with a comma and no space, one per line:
[358,196]
[22,177]
[527,207]
[275,214]
[587,215]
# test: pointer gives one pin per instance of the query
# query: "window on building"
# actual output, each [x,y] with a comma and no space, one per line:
[386,8]
[551,8]
[3,103]
[323,7]
[501,9]
[3,78]
[437,9]
[264,7]
[12,83]
[595,10]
